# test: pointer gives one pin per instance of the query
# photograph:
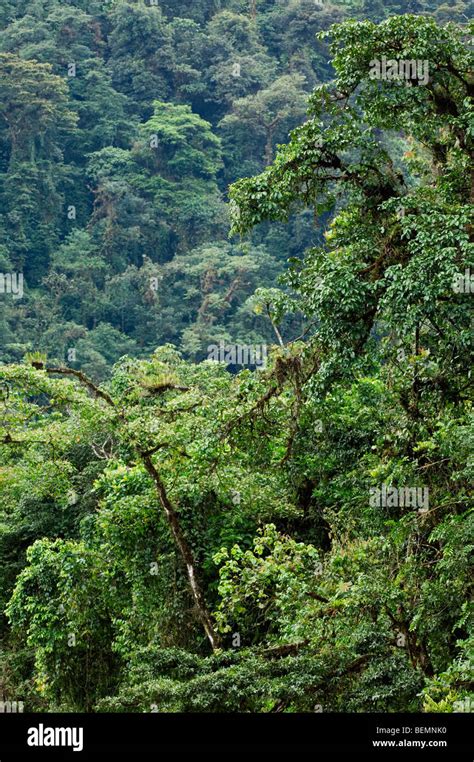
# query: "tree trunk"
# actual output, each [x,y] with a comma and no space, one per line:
[185,551]
[268,155]
[170,513]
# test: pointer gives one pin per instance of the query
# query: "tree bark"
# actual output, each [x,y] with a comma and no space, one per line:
[185,551]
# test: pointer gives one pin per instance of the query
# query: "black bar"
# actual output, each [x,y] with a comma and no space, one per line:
[444,735]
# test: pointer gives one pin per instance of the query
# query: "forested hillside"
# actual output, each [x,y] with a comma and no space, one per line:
[123,124]
[285,188]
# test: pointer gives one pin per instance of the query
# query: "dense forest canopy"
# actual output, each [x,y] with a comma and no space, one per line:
[286,188]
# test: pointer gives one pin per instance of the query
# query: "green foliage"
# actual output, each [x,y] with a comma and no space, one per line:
[59,598]
[178,533]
